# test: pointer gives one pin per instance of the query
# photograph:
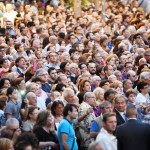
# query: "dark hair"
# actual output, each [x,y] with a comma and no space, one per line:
[62,66]
[18,81]
[108,92]
[140,85]
[50,69]
[45,42]
[18,59]
[3,101]
[103,83]
[10,90]
[26,139]
[59,87]
[54,105]
[80,96]
[30,111]
[107,115]
[2,81]
[17,46]
[68,107]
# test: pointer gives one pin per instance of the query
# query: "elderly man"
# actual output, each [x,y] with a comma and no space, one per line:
[131,75]
[68,96]
[95,82]
[43,75]
[86,108]
[74,70]
[97,124]
[11,130]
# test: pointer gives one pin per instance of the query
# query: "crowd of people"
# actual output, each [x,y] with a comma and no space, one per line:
[71,83]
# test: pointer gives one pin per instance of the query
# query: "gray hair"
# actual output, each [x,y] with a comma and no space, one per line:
[39,71]
[11,121]
[144,76]
[105,104]
[29,95]
[87,94]
[28,86]
[67,91]
[95,78]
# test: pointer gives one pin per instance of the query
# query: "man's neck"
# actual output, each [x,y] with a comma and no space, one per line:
[68,118]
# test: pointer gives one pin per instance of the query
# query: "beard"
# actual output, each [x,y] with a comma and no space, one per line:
[92,72]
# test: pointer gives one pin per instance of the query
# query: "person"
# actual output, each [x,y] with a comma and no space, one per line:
[138,135]
[66,133]
[11,130]
[120,107]
[26,141]
[57,111]
[105,136]
[97,124]
[44,131]
[31,119]
[6,144]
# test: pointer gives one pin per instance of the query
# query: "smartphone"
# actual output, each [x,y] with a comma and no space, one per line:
[23,41]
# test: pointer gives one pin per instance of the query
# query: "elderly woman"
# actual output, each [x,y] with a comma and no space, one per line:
[44,131]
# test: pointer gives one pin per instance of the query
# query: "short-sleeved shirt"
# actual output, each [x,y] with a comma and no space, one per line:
[13,109]
[67,127]
[94,127]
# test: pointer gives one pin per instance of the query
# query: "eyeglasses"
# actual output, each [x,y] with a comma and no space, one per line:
[17,129]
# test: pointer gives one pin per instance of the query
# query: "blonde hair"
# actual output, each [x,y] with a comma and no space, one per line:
[5,144]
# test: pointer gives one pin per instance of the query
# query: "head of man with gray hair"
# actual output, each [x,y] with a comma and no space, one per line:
[95,82]
[12,128]
[145,76]
[32,98]
[147,55]
[90,98]
[118,75]
[74,68]
[106,107]
[42,74]
[68,95]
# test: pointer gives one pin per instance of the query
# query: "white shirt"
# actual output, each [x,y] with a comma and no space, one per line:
[141,99]
[41,103]
[107,140]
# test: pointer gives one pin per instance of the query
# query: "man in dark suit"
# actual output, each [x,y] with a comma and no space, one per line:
[120,108]
[133,135]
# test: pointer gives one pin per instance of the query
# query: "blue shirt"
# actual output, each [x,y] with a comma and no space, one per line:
[67,127]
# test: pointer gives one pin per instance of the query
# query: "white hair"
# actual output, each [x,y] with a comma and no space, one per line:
[145,76]
[94,78]
[67,91]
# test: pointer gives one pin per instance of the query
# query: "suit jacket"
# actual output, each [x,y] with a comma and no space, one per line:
[120,120]
[133,135]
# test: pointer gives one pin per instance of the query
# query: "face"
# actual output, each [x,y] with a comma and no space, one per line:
[74,113]
[14,130]
[53,75]
[33,100]
[147,57]
[91,100]
[87,87]
[44,76]
[110,70]
[2,52]
[131,98]
[22,85]
[6,84]
[64,80]
[29,148]
[50,120]
[107,109]
[21,63]
[119,76]
[144,90]
[112,61]
[120,104]
[53,57]
[70,97]
[128,67]
[14,95]
[59,109]
[110,124]
[34,114]
[92,68]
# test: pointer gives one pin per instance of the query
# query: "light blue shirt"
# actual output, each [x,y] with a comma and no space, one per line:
[67,127]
